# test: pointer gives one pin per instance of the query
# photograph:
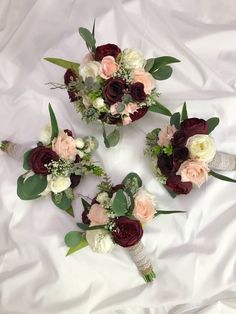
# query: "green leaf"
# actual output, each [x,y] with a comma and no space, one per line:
[73,238]
[175,119]
[26,164]
[221,177]
[85,204]
[31,188]
[93,30]
[64,63]
[132,178]
[212,124]
[86,227]
[88,38]
[119,204]
[172,194]
[83,243]
[54,125]
[111,139]
[132,204]
[162,73]
[164,212]
[159,108]
[162,61]
[184,114]
[149,64]
[61,200]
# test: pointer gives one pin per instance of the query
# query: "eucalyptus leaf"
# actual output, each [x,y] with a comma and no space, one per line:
[120,107]
[73,238]
[159,108]
[64,63]
[163,73]
[221,177]
[149,64]
[111,139]
[172,194]
[26,164]
[83,243]
[88,38]
[85,204]
[30,188]
[54,125]
[175,119]
[162,61]
[119,204]
[61,200]
[212,124]
[86,227]
[184,114]
[131,179]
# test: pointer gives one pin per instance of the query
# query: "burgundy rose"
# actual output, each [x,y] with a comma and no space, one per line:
[137,91]
[138,114]
[113,90]
[128,232]
[77,159]
[85,218]
[106,50]
[179,139]
[41,156]
[117,187]
[69,77]
[175,184]
[75,180]
[68,132]
[194,126]
[165,163]
[180,154]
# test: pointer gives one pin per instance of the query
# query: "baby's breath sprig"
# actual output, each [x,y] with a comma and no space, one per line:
[60,168]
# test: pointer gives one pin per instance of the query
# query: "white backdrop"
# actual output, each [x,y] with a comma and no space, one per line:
[193,254]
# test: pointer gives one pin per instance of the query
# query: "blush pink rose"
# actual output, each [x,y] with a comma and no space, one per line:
[126,120]
[113,108]
[97,215]
[140,75]
[130,108]
[144,209]
[108,67]
[64,146]
[166,134]
[194,171]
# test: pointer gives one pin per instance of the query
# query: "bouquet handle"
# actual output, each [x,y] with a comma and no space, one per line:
[142,261]
[15,151]
[223,161]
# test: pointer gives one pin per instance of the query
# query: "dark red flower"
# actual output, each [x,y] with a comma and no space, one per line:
[179,139]
[85,218]
[194,126]
[180,154]
[77,159]
[165,163]
[113,90]
[137,91]
[41,156]
[117,187]
[69,77]
[138,114]
[175,184]
[75,180]
[106,50]
[128,232]
[68,132]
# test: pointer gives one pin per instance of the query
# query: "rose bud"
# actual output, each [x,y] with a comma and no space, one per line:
[113,90]
[68,132]
[138,114]
[194,126]
[175,184]
[69,77]
[128,232]
[107,50]
[179,139]
[165,164]
[41,156]
[137,91]
[75,180]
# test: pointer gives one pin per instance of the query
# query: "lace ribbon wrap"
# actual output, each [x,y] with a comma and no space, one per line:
[223,161]
[15,151]
[142,261]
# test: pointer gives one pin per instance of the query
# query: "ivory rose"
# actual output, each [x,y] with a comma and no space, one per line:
[126,120]
[97,215]
[90,69]
[140,75]
[108,67]
[194,171]
[144,209]
[64,146]
[201,147]
[100,240]
[166,134]
[59,184]
[132,59]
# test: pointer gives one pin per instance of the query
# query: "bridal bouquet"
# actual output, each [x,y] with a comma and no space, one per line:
[184,153]
[114,86]
[55,165]
[116,215]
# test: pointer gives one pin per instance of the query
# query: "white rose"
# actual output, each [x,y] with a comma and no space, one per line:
[99,103]
[80,153]
[100,240]
[201,147]
[45,135]
[79,142]
[59,184]
[132,59]
[90,69]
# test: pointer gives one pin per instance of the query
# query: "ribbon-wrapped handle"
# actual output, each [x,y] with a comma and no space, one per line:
[142,261]
[223,161]
[15,151]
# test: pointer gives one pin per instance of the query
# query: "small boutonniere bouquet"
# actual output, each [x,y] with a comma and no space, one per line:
[113,86]
[116,215]
[55,166]
[183,153]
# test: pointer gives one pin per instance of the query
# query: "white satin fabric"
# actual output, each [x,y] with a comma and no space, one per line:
[193,253]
